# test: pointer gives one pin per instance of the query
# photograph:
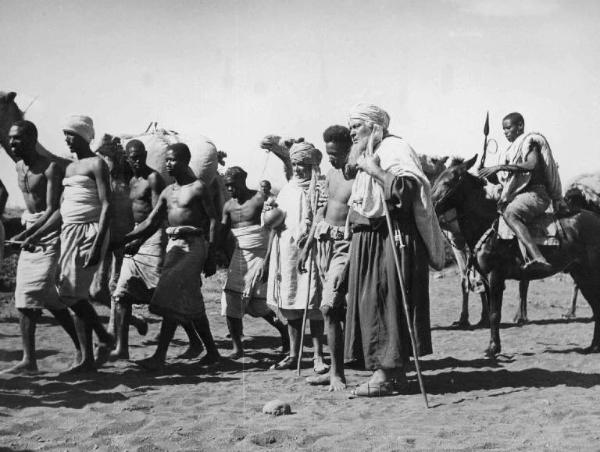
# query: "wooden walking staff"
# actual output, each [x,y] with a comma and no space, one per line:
[409,323]
[411,333]
[313,194]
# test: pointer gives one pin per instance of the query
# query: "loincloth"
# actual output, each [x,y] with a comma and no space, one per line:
[177,295]
[333,253]
[243,292]
[76,241]
[140,272]
[36,274]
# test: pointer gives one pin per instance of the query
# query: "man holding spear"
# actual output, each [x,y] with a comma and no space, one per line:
[389,272]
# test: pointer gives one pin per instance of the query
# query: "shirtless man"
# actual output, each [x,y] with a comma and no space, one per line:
[85,217]
[140,270]
[187,206]
[244,293]
[40,182]
[265,190]
[333,247]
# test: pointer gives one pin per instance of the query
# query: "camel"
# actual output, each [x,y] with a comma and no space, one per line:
[578,253]
[9,114]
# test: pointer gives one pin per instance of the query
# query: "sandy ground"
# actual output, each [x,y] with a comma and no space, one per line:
[541,394]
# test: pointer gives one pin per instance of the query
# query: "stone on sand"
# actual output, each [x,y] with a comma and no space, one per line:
[277,408]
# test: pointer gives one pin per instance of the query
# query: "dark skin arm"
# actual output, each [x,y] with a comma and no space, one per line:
[54,176]
[3,198]
[264,273]
[152,223]
[531,161]
[210,266]
[102,176]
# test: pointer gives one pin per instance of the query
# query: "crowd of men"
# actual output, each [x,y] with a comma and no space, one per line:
[320,251]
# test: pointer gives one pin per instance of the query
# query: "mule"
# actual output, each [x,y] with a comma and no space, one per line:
[578,253]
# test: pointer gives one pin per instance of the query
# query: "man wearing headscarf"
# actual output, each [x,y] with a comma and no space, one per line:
[84,219]
[286,288]
[376,329]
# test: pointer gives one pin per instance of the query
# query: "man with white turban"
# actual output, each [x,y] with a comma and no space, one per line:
[376,329]
[286,288]
[84,217]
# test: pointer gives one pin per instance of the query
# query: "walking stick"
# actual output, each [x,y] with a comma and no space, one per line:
[314,197]
[305,313]
[411,333]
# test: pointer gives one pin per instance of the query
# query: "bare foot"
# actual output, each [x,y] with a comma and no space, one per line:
[81,368]
[23,368]
[236,354]
[337,384]
[209,358]
[193,351]
[103,353]
[151,363]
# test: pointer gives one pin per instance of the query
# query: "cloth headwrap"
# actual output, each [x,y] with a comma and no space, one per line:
[304,153]
[80,125]
[109,146]
[370,113]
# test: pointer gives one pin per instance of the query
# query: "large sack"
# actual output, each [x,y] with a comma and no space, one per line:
[204,153]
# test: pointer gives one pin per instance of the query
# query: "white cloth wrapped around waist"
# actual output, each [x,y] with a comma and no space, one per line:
[183,231]
[28,219]
[81,203]
[253,237]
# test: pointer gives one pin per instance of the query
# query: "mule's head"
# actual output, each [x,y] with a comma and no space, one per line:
[449,186]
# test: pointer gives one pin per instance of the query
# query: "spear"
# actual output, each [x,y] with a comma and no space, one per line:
[486,132]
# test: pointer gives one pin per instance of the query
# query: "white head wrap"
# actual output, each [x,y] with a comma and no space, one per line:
[304,153]
[370,113]
[80,125]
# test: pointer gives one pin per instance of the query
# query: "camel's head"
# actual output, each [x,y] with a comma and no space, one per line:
[9,111]
[279,145]
[432,165]
[448,184]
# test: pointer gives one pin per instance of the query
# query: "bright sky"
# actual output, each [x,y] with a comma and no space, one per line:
[238,70]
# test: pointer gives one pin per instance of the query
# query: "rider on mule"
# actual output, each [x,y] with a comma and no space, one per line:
[530,182]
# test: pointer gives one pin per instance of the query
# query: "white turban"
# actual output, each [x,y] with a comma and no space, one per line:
[304,153]
[80,125]
[370,113]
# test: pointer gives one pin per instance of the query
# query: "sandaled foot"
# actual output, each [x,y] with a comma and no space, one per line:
[81,368]
[23,368]
[319,366]
[318,380]
[152,363]
[287,363]
[209,358]
[370,389]
[192,352]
